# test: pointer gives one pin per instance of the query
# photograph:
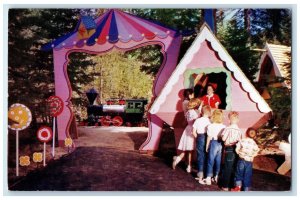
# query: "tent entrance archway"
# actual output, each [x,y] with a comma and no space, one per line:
[112,77]
[170,50]
[113,29]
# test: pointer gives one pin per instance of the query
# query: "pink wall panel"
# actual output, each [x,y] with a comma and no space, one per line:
[204,58]
[240,98]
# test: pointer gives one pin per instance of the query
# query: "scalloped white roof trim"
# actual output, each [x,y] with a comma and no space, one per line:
[206,34]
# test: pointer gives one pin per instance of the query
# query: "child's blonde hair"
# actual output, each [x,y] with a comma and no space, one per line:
[193,103]
[217,116]
[206,110]
[233,114]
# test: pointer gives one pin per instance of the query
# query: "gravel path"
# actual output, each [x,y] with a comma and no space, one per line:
[108,160]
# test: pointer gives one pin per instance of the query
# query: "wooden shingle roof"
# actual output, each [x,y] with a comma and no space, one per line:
[281,57]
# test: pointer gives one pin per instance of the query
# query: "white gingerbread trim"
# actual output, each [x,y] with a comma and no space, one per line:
[206,34]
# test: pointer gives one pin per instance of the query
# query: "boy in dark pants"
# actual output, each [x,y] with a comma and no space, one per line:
[231,135]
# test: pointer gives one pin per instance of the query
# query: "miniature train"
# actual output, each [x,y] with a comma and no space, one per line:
[117,112]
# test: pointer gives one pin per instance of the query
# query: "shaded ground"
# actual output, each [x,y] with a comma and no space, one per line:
[107,160]
[107,169]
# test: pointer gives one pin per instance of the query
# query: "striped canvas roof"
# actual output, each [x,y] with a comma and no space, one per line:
[114,26]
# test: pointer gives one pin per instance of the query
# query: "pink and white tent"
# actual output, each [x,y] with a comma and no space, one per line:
[114,29]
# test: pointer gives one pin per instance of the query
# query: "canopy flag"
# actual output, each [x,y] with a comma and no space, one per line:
[87,27]
[210,19]
[113,26]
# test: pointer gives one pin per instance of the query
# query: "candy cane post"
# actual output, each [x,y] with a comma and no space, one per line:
[56,106]
[19,118]
[44,134]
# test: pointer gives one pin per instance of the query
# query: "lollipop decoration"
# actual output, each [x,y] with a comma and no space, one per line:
[56,106]
[20,118]
[44,135]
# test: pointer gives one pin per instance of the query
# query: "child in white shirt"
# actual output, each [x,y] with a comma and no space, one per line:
[214,146]
[200,133]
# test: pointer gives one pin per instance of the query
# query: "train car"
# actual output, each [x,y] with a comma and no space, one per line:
[118,112]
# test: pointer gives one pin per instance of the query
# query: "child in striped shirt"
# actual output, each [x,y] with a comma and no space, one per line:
[247,149]
[230,136]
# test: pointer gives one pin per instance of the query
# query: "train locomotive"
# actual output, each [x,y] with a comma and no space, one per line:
[116,112]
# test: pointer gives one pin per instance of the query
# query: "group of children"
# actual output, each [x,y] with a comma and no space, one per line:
[207,134]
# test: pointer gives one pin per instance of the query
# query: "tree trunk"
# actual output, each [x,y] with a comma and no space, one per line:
[247,13]
[247,20]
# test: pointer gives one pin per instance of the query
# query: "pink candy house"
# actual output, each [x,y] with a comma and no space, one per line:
[206,55]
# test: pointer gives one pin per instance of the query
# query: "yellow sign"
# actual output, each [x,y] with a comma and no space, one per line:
[20,117]
[24,160]
[37,157]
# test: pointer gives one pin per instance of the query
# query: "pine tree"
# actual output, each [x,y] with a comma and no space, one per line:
[30,70]
[235,40]
[185,21]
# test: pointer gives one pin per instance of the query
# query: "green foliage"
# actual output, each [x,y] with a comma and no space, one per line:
[30,70]
[130,74]
[114,75]
[79,77]
[281,106]
[236,41]
[150,56]
[271,25]
[279,127]
[177,19]
[121,77]
[263,25]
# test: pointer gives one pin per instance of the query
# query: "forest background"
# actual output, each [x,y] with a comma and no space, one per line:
[130,74]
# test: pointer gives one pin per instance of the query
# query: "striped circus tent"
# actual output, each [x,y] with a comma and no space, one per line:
[113,26]
[115,29]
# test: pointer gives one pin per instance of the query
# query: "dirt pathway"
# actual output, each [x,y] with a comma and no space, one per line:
[107,159]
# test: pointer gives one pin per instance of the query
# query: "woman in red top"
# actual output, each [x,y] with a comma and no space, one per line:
[211,99]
